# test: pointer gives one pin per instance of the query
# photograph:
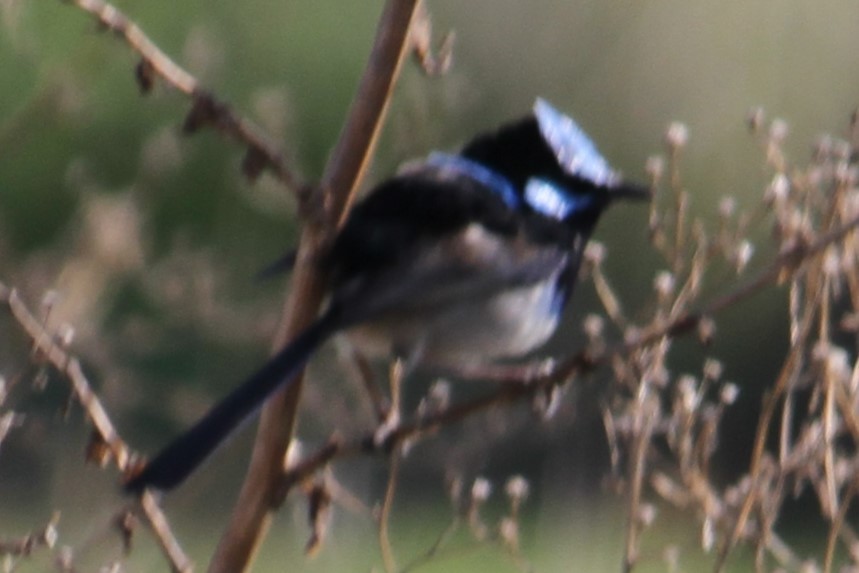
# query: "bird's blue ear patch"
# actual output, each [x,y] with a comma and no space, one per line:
[552,200]
[574,150]
[459,165]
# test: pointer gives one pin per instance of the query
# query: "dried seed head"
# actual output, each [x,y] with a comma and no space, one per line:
[778,189]
[677,135]
[820,351]
[831,262]
[65,335]
[481,489]
[837,364]
[687,389]
[664,284]
[713,369]
[594,325]
[778,130]
[631,335]
[744,253]
[706,330]
[647,514]
[654,167]
[517,489]
[595,253]
[439,394]
[50,535]
[729,393]
[727,206]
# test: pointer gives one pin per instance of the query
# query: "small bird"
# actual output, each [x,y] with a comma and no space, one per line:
[458,260]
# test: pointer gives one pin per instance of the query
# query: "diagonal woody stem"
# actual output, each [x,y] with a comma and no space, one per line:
[263,483]
[207,109]
[69,366]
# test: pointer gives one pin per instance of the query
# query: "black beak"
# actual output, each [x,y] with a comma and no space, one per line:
[631,191]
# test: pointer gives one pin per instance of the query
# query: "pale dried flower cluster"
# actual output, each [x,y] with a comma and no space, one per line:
[813,211]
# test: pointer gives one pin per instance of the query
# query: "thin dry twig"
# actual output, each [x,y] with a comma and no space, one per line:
[206,108]
[45,536]
[71,369]
[774,396]
[106,433]
[435,549]
[179,561]
[431,62]
[837,523]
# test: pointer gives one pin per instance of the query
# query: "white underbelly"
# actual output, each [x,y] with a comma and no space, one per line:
[506,325]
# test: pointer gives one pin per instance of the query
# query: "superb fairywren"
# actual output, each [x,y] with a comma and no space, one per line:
[458,260]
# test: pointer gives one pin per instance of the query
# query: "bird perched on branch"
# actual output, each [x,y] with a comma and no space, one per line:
[460,259]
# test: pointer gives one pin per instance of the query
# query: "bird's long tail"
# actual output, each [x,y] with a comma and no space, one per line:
[182,456]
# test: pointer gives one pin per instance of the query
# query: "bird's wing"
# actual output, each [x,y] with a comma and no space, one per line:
[470,265]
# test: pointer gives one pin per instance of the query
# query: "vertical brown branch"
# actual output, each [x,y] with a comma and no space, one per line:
[253,511]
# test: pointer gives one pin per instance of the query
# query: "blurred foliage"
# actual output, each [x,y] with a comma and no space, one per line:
[151,240]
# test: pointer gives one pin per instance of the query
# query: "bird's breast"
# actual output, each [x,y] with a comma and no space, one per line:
[505,325]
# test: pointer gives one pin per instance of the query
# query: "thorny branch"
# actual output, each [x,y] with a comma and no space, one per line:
[47,348]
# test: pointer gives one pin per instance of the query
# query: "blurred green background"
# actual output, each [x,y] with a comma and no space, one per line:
[150,240]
